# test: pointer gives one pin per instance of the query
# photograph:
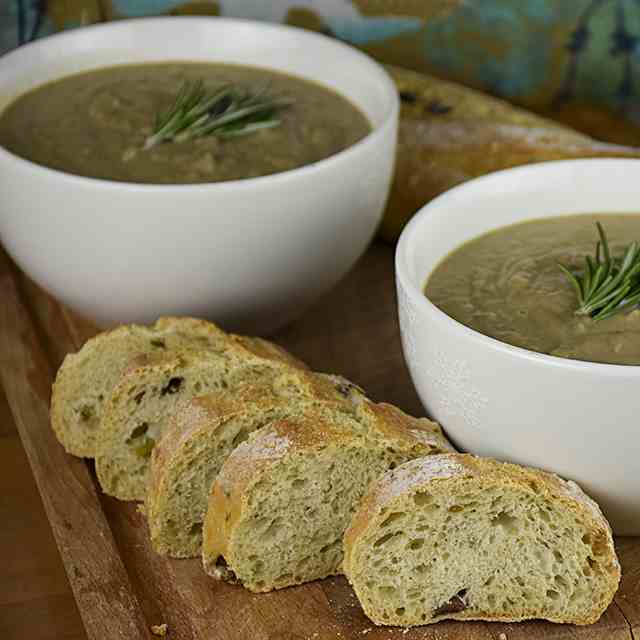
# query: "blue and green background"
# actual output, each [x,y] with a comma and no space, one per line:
[579,59]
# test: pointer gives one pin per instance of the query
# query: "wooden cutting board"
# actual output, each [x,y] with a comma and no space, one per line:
[123,588]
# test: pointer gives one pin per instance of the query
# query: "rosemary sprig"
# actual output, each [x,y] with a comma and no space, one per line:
[607,285]
[227,112]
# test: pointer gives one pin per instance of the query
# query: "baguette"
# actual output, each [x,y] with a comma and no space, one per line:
[450,133]
[454,536]
[283,498]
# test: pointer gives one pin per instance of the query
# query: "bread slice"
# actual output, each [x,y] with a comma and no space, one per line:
[282,500]
[137,411]
[86,378]
[201,435]
[454,536]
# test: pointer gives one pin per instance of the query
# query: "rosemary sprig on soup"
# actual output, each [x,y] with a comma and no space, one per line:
[607,285]
[507,285]
[227,112]
[229,122]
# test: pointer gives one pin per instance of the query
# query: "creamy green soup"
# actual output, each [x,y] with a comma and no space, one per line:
[507,285]
[95,124]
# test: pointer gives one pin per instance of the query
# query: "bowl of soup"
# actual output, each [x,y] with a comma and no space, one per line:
[500,346]
[203,166]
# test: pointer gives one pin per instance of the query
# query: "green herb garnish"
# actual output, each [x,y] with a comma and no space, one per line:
[228,112]
[607,285]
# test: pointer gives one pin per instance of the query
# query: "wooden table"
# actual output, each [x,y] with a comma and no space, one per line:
[121,586]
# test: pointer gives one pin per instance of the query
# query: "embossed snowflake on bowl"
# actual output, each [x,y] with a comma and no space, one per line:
[409,321]
[454,390]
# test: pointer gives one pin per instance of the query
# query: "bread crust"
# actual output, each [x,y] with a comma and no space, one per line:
[450,133]
[448,473]
[386,421]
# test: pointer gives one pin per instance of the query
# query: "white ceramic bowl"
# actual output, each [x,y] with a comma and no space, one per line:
[578,419]
[250,254]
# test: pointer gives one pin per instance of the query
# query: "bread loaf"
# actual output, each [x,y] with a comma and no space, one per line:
[450,133]
[201,435]
[137,411]
[282,500]
[454,536]
[86,378]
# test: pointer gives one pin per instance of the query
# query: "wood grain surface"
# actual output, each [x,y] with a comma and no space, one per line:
[121,586]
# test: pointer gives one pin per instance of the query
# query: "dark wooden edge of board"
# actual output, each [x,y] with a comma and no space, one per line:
[98,578]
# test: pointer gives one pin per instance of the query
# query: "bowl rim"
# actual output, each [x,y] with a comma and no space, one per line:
[364,145]
[419,299]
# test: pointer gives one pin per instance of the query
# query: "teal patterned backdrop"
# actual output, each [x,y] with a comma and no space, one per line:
[541,53]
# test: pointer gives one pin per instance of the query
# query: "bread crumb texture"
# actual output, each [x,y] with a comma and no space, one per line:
[454,536]
[280,505]
[136,414]
[86,378]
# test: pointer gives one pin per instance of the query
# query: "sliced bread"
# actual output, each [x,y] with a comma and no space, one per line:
[137,411]
[86,378]
[454,536]
[282,500]
[201,435]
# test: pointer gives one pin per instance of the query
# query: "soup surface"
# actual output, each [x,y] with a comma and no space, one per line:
[95,124]
[507,285]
